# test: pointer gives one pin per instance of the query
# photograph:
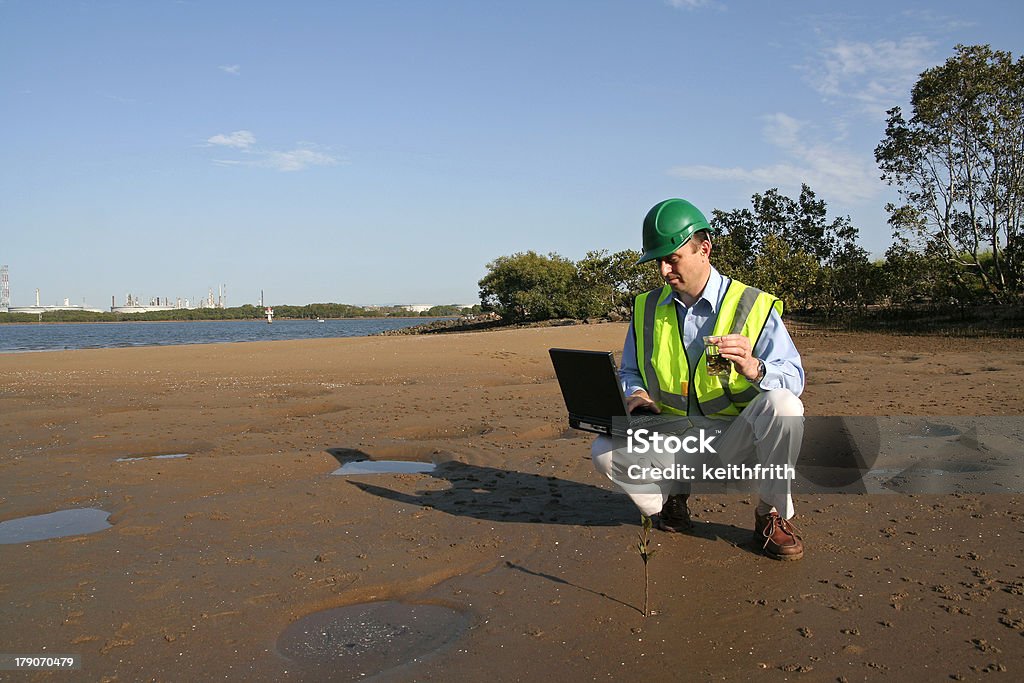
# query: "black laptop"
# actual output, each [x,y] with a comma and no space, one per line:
[593,396]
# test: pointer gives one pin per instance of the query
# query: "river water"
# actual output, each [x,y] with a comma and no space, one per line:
[16,337]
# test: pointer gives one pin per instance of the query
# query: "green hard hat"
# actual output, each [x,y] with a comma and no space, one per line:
[668,225]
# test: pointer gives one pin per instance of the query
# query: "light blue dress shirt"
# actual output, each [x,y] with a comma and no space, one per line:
[783,369]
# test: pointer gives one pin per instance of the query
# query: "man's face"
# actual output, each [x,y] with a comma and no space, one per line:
[686,269]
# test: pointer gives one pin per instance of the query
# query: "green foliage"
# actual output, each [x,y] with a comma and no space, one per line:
[785,246]
[855,284]
[644,539]
[790,248]
[450,311]
[596,290]
[528,286]
[247,312]
[787,271]
[18,318]
[614,280]
[644,548]
[325,310]
[957,166]
[923,277]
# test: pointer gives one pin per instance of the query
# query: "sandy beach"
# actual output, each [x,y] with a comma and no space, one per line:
[513,557]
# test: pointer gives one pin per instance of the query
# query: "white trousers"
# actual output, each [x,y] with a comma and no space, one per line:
[769,432]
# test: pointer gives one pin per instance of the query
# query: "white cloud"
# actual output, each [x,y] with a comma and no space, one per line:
[859,81]
[875,75]
[782,130]
[300,158]
[832,172]
[297,160]
[240,139]
[233,69]
[690,4]
[931,21]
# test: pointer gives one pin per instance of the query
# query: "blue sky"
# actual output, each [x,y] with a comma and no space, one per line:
[385,152]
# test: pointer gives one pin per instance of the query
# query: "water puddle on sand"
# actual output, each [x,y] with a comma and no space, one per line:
[385,467]
[368,638]
[935,430]
[896,472]
[54,525]
[169,456]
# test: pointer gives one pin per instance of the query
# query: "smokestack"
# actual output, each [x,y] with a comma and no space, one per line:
[5,288]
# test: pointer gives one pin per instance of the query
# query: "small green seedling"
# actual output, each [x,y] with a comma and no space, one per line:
[643,546]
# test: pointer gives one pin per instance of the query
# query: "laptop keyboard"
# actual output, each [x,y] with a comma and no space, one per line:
[645,419]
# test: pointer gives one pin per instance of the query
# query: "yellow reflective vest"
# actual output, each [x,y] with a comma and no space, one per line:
[662,358]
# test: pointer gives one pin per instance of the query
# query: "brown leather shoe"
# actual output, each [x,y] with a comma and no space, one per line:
[778,537]
[675,516]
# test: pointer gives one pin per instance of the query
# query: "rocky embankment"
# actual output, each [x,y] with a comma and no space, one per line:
[493,321]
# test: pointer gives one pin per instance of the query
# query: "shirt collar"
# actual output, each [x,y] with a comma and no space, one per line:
[712,293]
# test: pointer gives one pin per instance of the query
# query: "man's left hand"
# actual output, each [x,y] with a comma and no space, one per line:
[737,348]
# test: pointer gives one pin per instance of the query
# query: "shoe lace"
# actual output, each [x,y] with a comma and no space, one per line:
[776,521]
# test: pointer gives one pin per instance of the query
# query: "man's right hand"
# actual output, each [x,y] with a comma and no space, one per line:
[639,400]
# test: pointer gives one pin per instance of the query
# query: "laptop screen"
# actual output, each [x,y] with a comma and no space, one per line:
[589,382]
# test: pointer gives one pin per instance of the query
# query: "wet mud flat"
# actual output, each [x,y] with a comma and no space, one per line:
[210,559]
[367,639]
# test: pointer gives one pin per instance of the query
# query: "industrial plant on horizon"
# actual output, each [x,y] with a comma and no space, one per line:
[132,304]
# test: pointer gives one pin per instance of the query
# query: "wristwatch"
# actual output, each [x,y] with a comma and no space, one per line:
[760,371]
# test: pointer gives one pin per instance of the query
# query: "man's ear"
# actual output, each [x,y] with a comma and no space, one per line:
[705,247]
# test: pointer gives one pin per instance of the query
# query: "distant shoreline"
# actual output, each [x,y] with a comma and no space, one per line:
[220,320]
